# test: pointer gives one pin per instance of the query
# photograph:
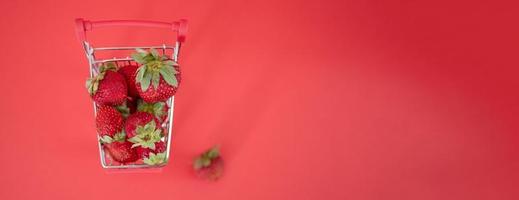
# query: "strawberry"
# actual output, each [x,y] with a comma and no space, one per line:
[158,109]
[160,147]
[136,120]
[157,77]
[146,136]
[130,72]
[209,165]
[121,151]
[118,148]
[109,121]
[108,87]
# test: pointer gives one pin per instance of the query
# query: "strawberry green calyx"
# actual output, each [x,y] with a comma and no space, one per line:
[146,136]
[107,66]
[206,158]
[153,67]
[92,84]
[156,109]
[123,109]
[155,159]
[118,137]
[106,139]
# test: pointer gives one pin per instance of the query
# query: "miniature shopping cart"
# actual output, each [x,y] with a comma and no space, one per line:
[179,27]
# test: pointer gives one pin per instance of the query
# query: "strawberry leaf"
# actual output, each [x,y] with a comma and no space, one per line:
[123,109]
[106,139]
[155,159]
[150,126]
[138,58]
[120,137]
[206,162]
[90,86]
[136,145]
[213,153]
[198,163]
[149,145]
[206,158]
[154,53]
[108,66]
[95,87]
[140,73]
[101,76]
[146,136]
[168,75]
[136,140]
[158,108]
[154,65]
[155,80]
[171,63]
[101,69]
[145,83]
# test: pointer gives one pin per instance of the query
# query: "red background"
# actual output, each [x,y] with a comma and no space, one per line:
[309,100]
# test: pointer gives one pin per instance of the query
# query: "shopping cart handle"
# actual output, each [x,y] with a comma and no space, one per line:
[82,26]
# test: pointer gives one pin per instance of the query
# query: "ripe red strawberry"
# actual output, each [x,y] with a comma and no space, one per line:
[209,165]
[109,121]
[157,77]
[108,87]
[158,109]
[160,147]
[121,151]
[138,119]
[130,72]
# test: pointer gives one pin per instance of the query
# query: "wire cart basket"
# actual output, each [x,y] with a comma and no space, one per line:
[172,51]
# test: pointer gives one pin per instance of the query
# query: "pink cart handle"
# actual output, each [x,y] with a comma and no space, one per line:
[82,26]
